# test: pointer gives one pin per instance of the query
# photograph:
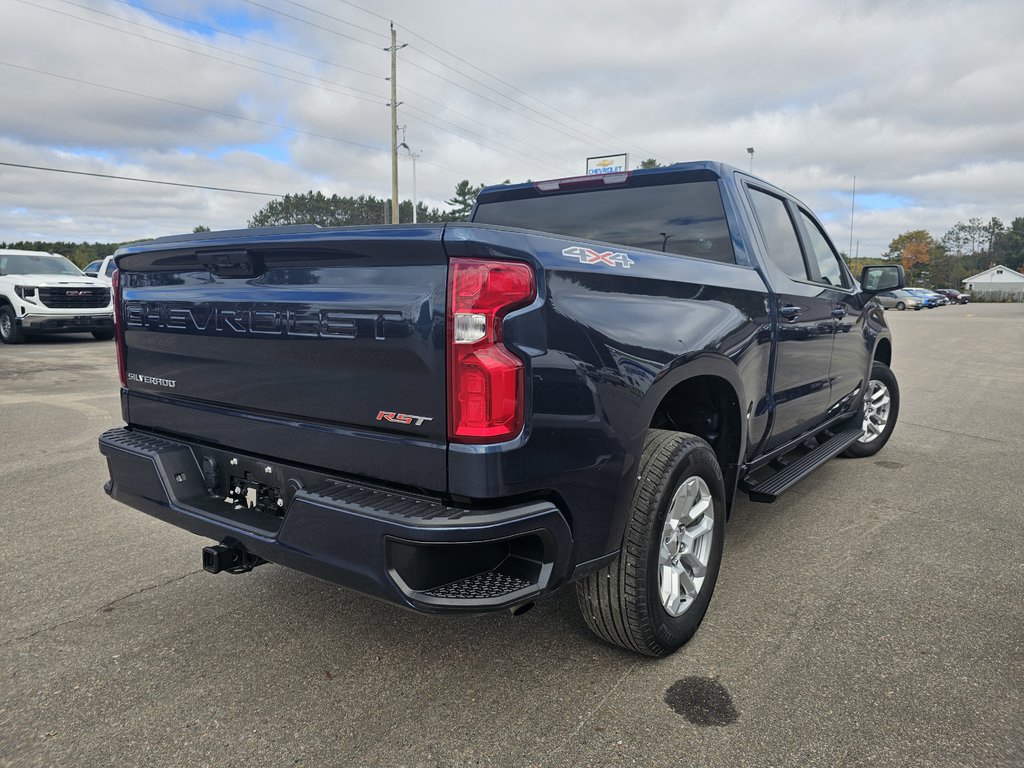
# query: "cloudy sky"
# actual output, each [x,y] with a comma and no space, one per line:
[919,100]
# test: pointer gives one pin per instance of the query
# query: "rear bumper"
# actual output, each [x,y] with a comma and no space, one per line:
[406,549]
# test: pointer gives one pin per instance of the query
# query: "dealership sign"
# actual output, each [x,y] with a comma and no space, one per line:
[607,164]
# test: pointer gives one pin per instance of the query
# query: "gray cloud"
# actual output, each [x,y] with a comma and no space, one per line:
[916,99]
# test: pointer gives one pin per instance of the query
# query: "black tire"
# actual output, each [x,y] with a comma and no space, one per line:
[103,335]
[622,602]
[880,375]
[10,333]
[900,306]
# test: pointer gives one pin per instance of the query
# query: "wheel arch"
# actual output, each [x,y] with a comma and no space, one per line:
[883,352]
[704,397]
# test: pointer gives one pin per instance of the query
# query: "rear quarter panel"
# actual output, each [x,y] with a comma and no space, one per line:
[604,343]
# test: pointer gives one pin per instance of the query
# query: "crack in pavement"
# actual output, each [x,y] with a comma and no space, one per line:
[593,711]
[102,609]
[957,432]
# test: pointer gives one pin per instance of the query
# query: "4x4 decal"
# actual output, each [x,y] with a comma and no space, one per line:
[590,256]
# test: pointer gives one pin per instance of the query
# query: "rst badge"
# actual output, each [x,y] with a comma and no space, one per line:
[403,418]
[590,256]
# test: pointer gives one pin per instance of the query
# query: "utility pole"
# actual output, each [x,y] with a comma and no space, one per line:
[394,126]
[853,202]
[394,123]
[414,156]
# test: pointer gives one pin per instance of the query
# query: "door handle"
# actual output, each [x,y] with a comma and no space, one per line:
[790,312]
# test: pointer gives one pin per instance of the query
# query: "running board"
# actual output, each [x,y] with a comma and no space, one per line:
[769,489]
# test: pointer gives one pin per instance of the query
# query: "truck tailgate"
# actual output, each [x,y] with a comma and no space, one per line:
[323,347]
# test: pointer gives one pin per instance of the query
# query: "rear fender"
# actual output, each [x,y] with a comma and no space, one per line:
[686,369]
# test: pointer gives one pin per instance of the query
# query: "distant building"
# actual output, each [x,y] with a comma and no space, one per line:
[998,283]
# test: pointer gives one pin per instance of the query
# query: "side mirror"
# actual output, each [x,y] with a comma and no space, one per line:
[882,278]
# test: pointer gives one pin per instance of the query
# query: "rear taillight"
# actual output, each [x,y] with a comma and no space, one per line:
[115,288]
[485,381]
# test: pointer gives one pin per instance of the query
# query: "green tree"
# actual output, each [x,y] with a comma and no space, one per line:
[1008,247]
[199,229]
[993,230]
[650,162]
[463,200]
[913,249]
[900,242]
[334,211]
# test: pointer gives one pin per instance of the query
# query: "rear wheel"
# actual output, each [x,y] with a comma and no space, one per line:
[652,598]
[881,408]
[10,333]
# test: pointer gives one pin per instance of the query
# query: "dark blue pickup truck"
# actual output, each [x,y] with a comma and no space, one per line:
[572,387]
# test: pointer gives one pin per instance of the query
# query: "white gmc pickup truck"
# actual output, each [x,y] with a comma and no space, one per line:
[45,293]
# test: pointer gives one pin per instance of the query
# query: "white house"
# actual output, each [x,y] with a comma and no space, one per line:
[996,282]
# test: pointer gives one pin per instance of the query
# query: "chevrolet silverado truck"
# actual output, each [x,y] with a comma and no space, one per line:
[42,293]
[571,388]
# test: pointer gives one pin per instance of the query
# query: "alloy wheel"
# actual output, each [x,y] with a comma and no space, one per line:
[685,546]
[876,411]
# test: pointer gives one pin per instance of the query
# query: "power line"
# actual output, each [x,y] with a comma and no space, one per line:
[233,63]
[465,133]
[576,135]
[190,106]
[492,101]
[368,97]
[243,38]
[557,127]
[144,181]
[317,26]
[326,15]
[478,69]
[464,116]
[482,141]
[357,7]
[507,85]
[329,63]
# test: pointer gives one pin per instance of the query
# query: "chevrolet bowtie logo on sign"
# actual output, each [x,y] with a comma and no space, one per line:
[607,164]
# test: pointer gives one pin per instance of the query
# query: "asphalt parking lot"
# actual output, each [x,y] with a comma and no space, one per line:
[873,616]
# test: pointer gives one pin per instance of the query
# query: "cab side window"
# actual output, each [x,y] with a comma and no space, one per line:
[830,271]
[779,234]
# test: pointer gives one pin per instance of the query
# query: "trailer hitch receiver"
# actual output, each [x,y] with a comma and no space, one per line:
[230,558]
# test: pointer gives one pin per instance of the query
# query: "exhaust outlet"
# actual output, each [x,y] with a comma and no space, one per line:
[519,610]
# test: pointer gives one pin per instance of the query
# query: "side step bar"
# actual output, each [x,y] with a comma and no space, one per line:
[769,489]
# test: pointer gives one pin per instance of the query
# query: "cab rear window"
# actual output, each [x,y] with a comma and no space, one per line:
[685,219]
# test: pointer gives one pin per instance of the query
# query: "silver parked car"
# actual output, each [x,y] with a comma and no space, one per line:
[899,300]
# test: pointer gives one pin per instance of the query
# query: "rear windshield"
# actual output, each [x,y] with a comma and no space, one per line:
[31,264]
[681,218]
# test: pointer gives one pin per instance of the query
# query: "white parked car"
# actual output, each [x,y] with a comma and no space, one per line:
[45,293]
[101,269]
